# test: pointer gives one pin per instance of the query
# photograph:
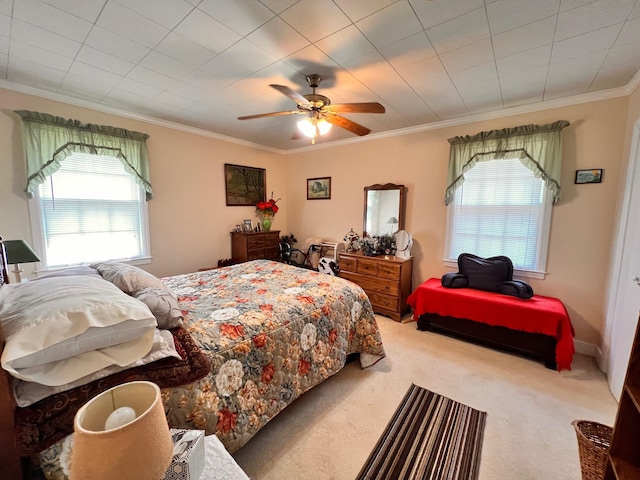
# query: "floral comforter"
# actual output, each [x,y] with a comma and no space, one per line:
[272,332]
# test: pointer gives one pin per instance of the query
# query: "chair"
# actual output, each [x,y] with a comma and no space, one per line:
[494,274]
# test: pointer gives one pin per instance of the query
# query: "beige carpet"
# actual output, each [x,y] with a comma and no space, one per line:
[329,432]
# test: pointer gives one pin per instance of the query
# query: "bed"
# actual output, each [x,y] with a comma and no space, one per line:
[264,332]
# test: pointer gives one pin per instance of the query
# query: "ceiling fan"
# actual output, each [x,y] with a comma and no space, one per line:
[320,114]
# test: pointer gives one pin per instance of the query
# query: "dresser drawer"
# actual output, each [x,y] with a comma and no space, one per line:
[255,242]
[367,266]
[389,270]
[380,300]
[379,285]
[348,264]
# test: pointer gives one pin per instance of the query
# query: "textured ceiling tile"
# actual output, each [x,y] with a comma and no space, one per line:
[181,48]
[508,14]
[592,16]
[278,39]
[115,45]
[87,9]
[128,24]
[51,19]
[206,31]
[436,13]
[103,60]
[242,16]
[390,25]
[45,39]
[345,45]
[524,38]
[413,49]
[167,13]
[304,15]
[463,30]
[358,10]
[469,56]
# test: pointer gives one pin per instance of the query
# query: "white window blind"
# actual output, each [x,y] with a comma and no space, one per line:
[501,209]
[91,210]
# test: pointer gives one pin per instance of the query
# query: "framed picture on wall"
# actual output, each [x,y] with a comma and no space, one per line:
[319,188]
[244,185]
[589,176]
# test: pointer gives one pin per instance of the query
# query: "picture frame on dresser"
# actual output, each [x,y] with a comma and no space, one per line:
[244,186]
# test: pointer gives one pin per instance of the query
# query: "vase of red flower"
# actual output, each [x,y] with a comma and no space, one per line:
[267,209]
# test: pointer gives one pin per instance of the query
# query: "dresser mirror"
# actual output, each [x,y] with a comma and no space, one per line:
[383,209]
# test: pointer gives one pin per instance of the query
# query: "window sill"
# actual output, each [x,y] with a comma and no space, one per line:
[137,261]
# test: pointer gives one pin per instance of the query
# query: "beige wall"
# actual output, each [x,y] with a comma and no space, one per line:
[190,223]
[188,216]
[582,224]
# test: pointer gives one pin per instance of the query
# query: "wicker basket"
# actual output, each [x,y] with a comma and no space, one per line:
[594,440]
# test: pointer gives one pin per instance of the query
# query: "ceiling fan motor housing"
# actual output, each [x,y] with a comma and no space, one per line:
[317,101]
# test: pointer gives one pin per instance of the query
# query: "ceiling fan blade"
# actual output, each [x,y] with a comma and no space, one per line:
[295,96]
[271,114]
[347,124]
[365,107]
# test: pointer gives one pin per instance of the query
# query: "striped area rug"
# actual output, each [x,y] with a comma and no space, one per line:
[429,437]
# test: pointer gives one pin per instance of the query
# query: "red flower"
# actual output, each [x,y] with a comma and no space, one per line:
[260,340]
[226,420]
[232,331]
[267,208]
[303,366]
[268,371]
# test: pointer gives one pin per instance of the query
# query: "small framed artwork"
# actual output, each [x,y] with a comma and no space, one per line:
[244,185]
[248,226]
[319,188]
[589,176]
[238,228]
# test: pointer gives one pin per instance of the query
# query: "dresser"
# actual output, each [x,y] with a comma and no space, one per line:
[386,279]
[247,246]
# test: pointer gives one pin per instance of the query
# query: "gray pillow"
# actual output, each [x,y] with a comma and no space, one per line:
[163,304]
[147,288]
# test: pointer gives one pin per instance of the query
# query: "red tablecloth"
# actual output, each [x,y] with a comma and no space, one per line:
[539,314]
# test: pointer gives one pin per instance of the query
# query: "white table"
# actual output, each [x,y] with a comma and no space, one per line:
[219,464]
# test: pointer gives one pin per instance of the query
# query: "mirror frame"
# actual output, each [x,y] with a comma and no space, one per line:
[386,186]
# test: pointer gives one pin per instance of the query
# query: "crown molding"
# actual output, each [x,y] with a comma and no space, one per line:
[132,115]
[627,90]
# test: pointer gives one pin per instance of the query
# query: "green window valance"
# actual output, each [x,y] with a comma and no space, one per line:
[48,140]
[538,147]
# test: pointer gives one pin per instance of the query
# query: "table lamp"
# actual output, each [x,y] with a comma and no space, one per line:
[122,433]
[392,221]
[19,251]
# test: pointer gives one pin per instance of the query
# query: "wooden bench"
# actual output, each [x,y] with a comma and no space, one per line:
[538,327]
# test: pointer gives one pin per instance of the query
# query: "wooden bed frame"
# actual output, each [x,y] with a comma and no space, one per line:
[9,458]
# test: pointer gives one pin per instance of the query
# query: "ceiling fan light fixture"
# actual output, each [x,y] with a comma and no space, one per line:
[311,127]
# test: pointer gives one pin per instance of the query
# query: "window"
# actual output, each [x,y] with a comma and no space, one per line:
[501,209]
[90,210]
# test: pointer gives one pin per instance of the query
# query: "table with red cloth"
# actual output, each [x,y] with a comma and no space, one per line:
[539,314]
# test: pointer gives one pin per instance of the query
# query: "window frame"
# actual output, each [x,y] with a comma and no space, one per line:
[36,217]
[542,247]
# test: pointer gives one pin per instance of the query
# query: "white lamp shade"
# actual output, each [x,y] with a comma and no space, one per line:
[324,126]
[141,449]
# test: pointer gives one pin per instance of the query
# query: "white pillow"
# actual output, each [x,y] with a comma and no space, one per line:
[28,393]
[60,329]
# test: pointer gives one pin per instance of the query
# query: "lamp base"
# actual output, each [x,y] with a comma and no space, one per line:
[17,271]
